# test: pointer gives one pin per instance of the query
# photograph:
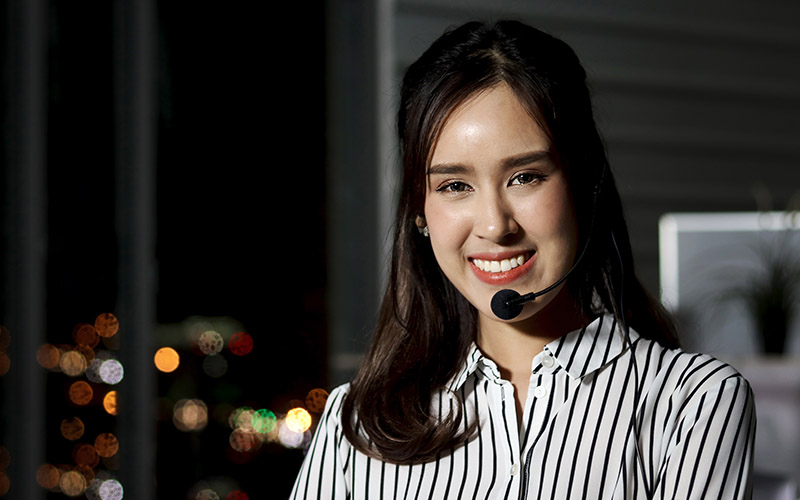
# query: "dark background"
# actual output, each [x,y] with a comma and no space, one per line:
[240,233]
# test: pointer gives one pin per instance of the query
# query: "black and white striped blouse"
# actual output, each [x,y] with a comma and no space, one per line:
[691,437]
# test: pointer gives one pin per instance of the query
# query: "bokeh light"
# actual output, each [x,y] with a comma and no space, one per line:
[190,415]
[110,402]
[106,445]
[5,363]
[48,476]
[87,472]
[5,458]
[316,399]
[215,365]
[106,325]
[111,371]
[105,489]
[167,359]
[207,494]
[86,351]
[264,421]
[242,418]
[85,454]
[93,371]
[85,334]
[72,428]
[48,356]
[237,495]
[72,483]
[298,420]
[290,438]
[210,342]
[80,393]
[72,363]
[243,440]
[240,343]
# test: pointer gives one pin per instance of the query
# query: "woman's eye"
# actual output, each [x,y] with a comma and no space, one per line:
[526,178]
[453,187]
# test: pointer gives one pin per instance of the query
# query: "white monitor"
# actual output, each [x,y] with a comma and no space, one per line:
[709,259]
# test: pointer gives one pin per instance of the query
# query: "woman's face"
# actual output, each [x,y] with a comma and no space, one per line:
[497,206]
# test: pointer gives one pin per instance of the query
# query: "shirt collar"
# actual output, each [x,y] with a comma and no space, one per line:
[579,353]
[587,350]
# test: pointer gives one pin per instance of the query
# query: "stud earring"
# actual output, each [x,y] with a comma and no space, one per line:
[422,227]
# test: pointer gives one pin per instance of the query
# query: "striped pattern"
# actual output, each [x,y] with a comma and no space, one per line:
[692,436]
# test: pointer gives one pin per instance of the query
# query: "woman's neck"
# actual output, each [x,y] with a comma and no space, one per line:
[526,338]
[512,346]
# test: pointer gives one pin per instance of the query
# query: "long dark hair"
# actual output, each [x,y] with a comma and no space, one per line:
[425,326]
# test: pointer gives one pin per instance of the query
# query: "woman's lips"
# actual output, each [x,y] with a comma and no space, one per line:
[502,269]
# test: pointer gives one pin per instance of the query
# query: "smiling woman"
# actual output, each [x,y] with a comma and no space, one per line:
[506,186]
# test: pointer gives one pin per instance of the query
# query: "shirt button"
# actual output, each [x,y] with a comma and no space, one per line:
[548,361]
[540,392]
[514,469]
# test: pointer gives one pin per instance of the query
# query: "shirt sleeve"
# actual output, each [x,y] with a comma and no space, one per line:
[322,474]
[711,452]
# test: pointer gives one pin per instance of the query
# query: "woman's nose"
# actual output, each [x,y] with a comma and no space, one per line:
[495,220]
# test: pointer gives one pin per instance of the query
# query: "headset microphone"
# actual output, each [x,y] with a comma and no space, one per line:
[507,304]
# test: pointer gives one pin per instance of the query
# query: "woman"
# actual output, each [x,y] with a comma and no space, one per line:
[580,393]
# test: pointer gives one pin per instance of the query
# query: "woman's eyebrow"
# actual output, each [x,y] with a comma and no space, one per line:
[527,159]
[448,169]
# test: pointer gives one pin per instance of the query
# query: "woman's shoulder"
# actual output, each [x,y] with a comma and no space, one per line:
[689,376]
[333,406]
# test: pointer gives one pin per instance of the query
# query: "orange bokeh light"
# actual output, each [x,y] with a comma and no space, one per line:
[85,454]
[80,393]
[106,325]
[86,351]
[106,445]
[85,334]
[47,476]
[48,356]
[87,472]
[110,402]
[167,359]
[316,399]
[72,428]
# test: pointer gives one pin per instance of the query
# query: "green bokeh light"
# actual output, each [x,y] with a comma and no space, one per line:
[264,421]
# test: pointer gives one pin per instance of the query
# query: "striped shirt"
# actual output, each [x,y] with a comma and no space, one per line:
[691,435]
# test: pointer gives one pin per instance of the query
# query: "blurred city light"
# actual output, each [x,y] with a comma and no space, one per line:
[298,420]
[167,359]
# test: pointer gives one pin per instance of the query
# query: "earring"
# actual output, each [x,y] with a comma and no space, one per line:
[422,227]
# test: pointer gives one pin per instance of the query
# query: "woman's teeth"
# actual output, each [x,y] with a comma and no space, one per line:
[499,266]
